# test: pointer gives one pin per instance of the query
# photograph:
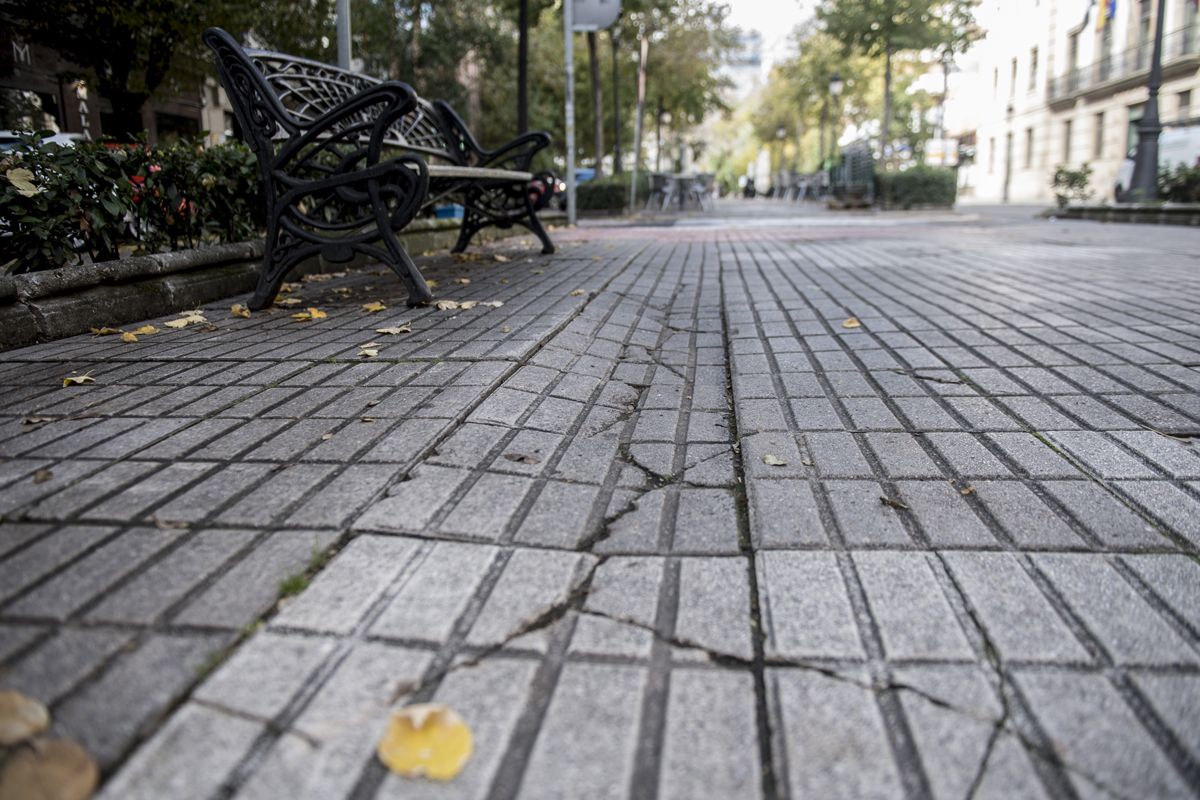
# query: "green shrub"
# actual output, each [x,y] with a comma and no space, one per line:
[1180,185]
[65,206]
[1071,184]
[918,186]
[609,193]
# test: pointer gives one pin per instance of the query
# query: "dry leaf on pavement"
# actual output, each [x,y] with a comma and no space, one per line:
[191,318]
[426,740]
[42,475]
[463,281]
[395,330]
[53,769]
[431,283]
[578,293]
[287,302]
[105,331]
[890,503]
[467,305]
[145,330]
[368,350]
[772,460]
[240,310]
[373,307]
[310,314]
[445,305]
[128,337]
[501,258]
[78,380]
[852,322]
[21,717]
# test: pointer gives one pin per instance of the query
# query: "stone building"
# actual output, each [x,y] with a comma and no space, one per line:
[1064,82]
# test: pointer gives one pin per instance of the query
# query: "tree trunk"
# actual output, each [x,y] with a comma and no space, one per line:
[612,40]
[658,115]
[885,139]
[414,42]
[523,68]
[597,102]
[643,55]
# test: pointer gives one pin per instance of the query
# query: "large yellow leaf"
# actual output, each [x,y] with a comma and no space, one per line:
[311,313]
[429,740]
[22,181]
[78,380]
[373,307]
[239,310]
[20,718]
[49,770]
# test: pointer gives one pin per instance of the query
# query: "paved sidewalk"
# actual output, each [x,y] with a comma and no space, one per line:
[661,526]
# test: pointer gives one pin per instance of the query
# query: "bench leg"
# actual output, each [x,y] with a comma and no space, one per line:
[403,266]
[278,261]
[472,223]
[534,224]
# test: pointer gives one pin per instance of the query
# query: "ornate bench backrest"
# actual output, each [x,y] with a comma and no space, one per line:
[282,93]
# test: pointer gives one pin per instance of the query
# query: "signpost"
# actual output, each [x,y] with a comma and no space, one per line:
[580,16]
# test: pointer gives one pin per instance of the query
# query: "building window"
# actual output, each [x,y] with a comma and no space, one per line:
[1028,148]
[1073,51]
[1033,68]
[1066,153]
[1098,142]
[1185,105]
[991,155]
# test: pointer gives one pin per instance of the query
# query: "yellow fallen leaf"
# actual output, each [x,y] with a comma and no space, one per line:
[325,437]
[445,305]
[321,277]
[373,307]
[852,322]
[967,491]
[427,739]
[22,181]
[105,331]
[239,310]
[37,420]
[431,283]
[463,281]
[395,330]
[78,380]
[501,258]
[43,475]
[772,460]
[578,293]
[54,769]
[287,302]
[129,338]
[21,717]
[310,314]
[467,305]
[427,253]
[191,318]
[288,287]
[493,303]
[145,330]
[368,352]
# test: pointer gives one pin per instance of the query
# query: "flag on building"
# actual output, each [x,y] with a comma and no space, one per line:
[1108,10]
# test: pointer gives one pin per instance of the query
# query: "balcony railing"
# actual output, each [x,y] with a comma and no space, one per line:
[1177,44]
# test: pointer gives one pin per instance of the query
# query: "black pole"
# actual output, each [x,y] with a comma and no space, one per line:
[612,38]
[1144,185]
[523,68]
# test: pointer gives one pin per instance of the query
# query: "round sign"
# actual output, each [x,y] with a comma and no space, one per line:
[594,15]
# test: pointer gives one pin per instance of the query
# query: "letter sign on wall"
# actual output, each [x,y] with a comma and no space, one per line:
[595,15]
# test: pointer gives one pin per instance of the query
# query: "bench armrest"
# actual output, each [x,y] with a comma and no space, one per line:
[363,119]
[516,155]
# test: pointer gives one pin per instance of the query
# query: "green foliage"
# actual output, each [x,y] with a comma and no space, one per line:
[62,206]
[1071,184]
[917,186]
[1180,185]
[877,27]
[610,193]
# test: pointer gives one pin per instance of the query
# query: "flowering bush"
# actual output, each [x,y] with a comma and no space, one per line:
[63,206]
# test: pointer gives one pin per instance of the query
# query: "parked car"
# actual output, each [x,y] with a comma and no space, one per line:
[9,139]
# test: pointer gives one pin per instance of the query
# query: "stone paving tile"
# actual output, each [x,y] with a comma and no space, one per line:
[973,575]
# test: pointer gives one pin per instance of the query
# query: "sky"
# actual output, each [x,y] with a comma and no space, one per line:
[775,19]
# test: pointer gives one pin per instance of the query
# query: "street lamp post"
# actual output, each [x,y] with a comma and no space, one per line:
[1144,184]
[836,86]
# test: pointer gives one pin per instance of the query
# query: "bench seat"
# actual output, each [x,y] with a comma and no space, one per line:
[477,173]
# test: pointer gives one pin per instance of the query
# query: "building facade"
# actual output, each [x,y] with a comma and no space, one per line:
[39,91]
[1063,82]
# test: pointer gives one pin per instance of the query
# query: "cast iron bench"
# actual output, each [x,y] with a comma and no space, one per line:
[348,161]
